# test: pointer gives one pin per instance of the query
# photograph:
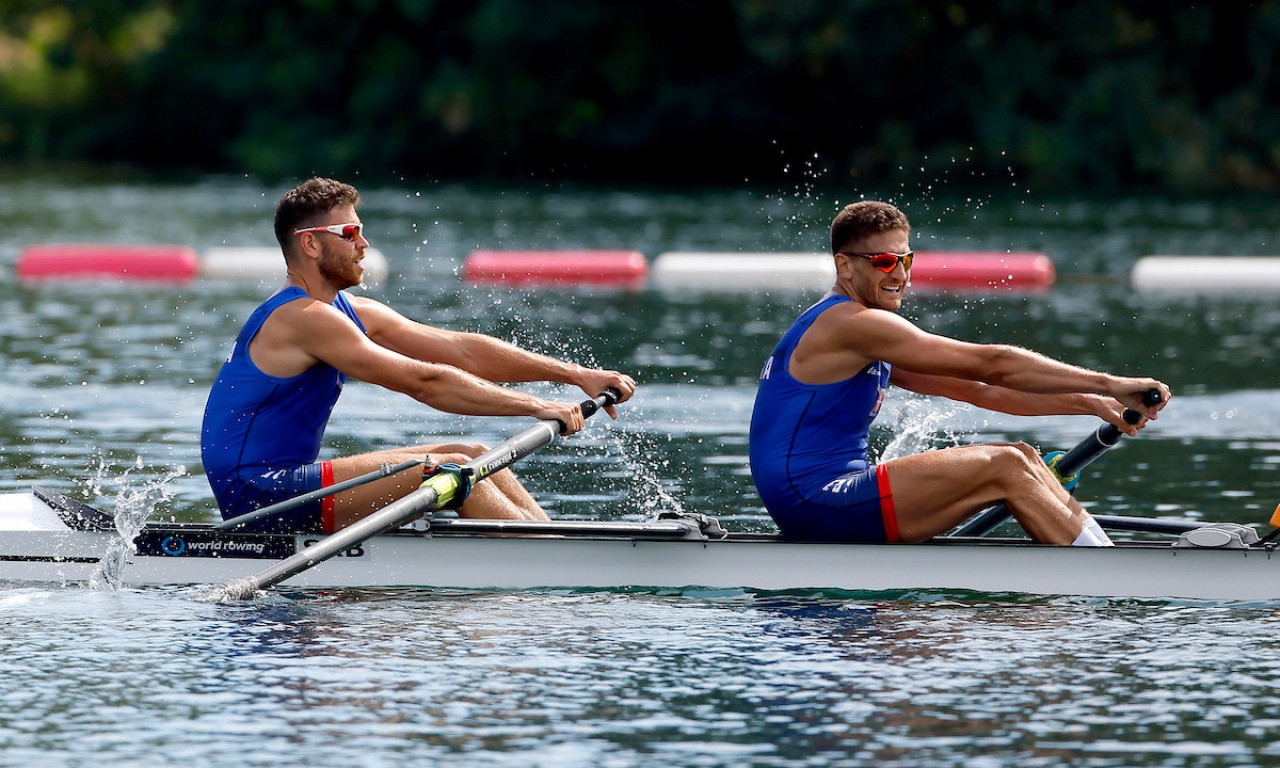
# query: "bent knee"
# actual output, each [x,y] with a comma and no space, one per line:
[1022,461]
[459,453]
[469,449]
[1014,455]
[1007,461]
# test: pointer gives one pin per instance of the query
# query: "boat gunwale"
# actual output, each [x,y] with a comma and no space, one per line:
[85,518]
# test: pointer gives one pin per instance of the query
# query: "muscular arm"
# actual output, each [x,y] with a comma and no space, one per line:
[1010,401]
[890,338]
[301,333]
[482,356]
[995,376]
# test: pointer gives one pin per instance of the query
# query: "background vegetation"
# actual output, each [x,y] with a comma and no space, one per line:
[1069,92]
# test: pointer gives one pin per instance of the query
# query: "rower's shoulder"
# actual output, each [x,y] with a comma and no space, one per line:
[308,315]
[849,314]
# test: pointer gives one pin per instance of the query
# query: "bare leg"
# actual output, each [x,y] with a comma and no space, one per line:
[937,490]
[501,496]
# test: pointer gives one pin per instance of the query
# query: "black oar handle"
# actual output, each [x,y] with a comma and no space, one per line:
[1083,454]
[606,398]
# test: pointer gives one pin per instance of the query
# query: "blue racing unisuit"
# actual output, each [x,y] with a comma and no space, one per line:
[809,445]
[262,434]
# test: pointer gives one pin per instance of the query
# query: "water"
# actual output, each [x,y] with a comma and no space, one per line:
[101,393]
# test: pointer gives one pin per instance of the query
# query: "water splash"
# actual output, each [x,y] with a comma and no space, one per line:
[802,209]
[134,504]
[636,452]
[922,426]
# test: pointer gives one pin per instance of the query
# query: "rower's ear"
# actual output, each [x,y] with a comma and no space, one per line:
[308,245]
[844,266]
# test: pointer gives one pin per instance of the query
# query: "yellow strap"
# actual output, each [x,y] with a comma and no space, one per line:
[446,486]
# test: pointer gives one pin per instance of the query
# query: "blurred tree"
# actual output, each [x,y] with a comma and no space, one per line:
[1089,93]
[66,71]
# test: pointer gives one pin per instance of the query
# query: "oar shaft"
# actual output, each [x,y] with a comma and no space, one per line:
[1086,451]
[394,514]
[438,490]
[1080,456]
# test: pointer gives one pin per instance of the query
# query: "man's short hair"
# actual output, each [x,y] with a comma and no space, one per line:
[858,221]
[307,203]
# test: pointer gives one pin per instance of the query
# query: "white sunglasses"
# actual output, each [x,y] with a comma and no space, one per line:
[344,231]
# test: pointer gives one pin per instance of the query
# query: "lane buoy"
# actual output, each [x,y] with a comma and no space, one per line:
[982,270]
[722,271]
[90,261]
[1206,274]
[606,268]
[266,263]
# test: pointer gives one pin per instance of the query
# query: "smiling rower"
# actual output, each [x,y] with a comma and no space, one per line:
[271,402]
[823,384]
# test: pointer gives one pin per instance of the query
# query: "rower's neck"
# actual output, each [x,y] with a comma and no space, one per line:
[314,286]
[841,290]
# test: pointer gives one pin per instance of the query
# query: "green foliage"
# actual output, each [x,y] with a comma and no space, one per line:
[1087,92]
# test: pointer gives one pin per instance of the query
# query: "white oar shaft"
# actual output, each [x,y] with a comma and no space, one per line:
[438,490]
[395,514]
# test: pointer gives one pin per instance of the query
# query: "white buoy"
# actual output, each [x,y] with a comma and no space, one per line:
[933,270]
[266,263]
[743,271]
[1206,274]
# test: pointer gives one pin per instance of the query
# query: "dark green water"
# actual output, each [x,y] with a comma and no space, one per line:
[103,385]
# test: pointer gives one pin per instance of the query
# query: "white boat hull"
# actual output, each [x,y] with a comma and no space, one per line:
[666,554]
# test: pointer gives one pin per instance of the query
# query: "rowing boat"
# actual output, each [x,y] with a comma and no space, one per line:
[48,537]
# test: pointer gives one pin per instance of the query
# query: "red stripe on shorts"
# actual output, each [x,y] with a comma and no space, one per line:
[887,511]
[327,521]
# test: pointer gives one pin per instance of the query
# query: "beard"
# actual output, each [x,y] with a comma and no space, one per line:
[338,266]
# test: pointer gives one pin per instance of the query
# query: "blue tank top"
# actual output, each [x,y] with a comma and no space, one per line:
[803,435]
[253,420]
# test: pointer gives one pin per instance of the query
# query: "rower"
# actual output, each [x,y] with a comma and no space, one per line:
[823,384]
[267,411]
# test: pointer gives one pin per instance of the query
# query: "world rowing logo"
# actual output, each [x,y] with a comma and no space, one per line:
[174,546]
[211,544]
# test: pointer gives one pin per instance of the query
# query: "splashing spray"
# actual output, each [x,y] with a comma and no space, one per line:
[134,505]
[920,428]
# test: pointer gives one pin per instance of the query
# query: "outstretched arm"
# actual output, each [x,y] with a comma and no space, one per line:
[996,376]
[483,356]
[1016,403]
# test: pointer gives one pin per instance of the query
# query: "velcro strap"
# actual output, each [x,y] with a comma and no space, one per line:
[1052,459]
[463,476]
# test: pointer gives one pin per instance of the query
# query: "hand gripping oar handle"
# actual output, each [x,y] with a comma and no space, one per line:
[1080,456]
[437,491]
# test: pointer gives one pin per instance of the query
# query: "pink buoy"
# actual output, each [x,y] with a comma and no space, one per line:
[613,269]
[982,270]
[175,263]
